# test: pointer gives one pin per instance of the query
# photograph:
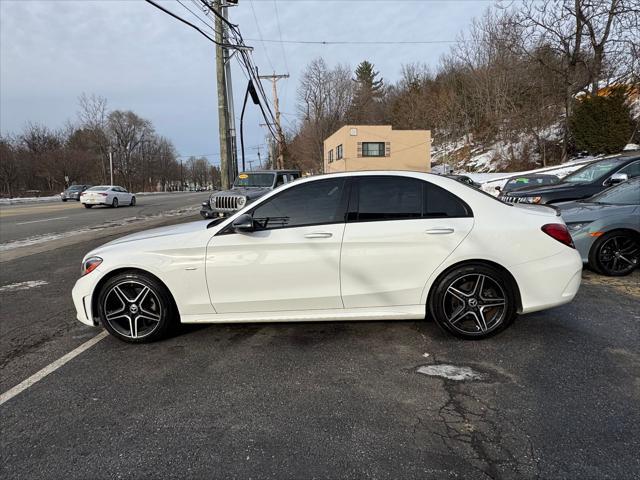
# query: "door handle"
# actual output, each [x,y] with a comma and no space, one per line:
[439,231]
[319,235]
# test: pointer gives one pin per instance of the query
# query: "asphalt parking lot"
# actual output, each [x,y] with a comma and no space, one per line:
[554,396]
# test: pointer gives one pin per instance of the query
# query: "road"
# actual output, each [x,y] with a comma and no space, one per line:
[19,222]
[556,396]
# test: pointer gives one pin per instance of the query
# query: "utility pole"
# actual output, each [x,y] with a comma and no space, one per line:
[232,148]
[223,119]
[276,105]
[111,165]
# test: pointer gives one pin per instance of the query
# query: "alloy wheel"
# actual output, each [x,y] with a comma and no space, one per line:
[618,255]
[132,309]
[475,304]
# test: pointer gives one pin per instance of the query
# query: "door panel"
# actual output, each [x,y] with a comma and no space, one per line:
[388,263]
[275,270]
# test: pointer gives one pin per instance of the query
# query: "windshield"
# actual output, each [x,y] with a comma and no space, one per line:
[591,172]
[529,181]
[73,188]
[626,193]
[254,180]
[98,189]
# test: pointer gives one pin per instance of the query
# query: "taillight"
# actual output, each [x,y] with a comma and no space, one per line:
[560,232]
[104,194]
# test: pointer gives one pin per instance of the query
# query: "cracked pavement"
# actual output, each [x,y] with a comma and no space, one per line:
[558,398]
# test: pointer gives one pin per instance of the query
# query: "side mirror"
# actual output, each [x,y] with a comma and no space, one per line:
[618,178]
[243,224]
[498,188]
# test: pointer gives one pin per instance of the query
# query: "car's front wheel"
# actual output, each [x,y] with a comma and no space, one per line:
[114,203]
[133,202]
[136,307]
[474,301]
[86,205]
[615,254]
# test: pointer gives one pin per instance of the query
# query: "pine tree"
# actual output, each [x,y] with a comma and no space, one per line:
[365,107]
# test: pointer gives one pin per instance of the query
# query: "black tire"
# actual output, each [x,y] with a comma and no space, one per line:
[64,199]
[147,318]
[86,205]
[133,202]
[114,202]
[474,301]
[615,254]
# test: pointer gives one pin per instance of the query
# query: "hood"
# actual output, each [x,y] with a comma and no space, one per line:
[585,211]
[249,192]
[161,232]
[536,190]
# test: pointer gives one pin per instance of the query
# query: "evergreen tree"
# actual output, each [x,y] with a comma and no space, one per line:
[369,91]
[602,123]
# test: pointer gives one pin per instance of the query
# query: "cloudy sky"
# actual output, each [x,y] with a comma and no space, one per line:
[143,60]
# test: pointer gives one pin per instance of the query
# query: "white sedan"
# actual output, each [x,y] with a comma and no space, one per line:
[109,195]
[351,246]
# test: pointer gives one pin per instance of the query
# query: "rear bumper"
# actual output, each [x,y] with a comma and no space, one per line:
[549,282]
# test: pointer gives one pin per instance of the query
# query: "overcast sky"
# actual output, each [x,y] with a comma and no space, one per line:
[143,60]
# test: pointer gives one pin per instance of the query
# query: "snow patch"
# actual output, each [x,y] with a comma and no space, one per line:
[451,372]
[20,200]
[14,287]
[38,239]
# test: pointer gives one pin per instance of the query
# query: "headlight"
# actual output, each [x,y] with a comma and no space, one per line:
[531,199]
[242,201]
[90,264]
[575,226]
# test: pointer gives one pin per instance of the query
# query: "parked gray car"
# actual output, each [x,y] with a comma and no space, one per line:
[606,228]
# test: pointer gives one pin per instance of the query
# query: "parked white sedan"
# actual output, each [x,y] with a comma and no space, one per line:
[351,246]
[110,195]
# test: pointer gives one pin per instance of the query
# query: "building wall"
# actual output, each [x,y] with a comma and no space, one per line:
[408,149]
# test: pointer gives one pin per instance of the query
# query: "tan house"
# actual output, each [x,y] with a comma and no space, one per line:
[377,147]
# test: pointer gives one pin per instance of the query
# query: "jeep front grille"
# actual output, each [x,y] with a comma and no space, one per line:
[225,203]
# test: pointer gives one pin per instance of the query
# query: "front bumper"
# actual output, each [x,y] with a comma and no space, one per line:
[82,294]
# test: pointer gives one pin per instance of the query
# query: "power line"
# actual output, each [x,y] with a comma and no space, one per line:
[197,16]
[354,42]
[255,17]
[180,19]
[284,55]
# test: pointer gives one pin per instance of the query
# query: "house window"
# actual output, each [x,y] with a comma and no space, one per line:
[339,152]
[330,157]
[373,149]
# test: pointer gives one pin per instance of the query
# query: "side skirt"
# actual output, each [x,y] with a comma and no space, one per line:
[404,312]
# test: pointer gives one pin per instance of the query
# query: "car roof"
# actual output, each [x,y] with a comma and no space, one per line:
[270,171]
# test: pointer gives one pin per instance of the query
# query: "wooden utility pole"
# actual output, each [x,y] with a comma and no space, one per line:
[223,113]
[276,105]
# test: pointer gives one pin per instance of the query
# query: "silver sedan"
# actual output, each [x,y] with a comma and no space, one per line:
[606,228]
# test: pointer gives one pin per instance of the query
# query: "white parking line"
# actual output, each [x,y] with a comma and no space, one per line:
[52,367]
[43,220]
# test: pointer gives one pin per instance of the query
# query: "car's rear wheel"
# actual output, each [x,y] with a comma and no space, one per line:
[114,203]
[133,202]
[86,205]
[64,199]
[615,254]
[474,301]
[136,308]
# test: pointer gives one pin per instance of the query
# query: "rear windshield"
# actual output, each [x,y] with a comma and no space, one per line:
[98,189]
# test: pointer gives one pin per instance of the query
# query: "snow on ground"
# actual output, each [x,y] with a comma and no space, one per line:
[13,287]
[38,239]
[19,200]
[450,372]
